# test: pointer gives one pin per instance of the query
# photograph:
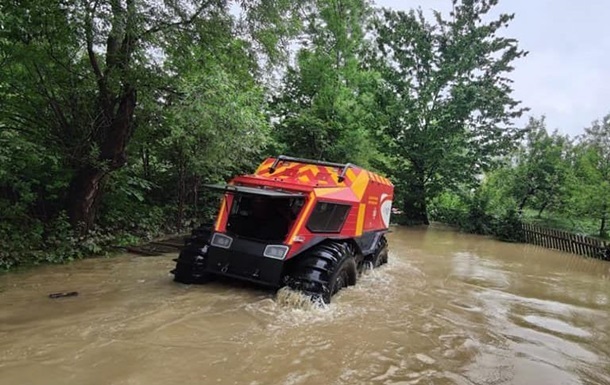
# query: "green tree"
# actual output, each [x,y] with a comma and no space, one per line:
[195,146]
[447,104]
[75,70]
[326,106]
[542,168]
[592,164]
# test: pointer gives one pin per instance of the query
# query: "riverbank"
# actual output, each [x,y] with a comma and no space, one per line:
[70,249]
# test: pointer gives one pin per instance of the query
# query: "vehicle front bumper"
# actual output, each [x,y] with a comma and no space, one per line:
[244,260]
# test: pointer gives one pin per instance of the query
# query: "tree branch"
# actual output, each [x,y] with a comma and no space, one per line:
[89,37]
[129,38]
[55,106]
[164,26]
[100,78]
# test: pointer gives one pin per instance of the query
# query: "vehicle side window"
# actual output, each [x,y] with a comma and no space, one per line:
[327,217]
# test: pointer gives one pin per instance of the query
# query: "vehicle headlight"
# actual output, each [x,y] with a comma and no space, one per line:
[221,240]
[276,251]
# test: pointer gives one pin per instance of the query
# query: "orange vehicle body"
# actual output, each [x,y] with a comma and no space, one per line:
[292,215]
[369,194]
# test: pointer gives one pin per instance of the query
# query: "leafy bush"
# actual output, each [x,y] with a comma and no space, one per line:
[508,227]
[477,214]
[450,209]
[478,219]
[56,242]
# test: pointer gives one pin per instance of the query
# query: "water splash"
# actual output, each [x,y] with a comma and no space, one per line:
[292,299]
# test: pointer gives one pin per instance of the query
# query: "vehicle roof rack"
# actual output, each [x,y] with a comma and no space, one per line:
[245,190]
[283,158]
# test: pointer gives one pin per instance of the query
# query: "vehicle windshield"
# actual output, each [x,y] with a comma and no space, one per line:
[263,218]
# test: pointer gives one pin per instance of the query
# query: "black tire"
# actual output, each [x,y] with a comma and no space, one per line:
[200,235]
[324,270]
[190,264]
[382,254]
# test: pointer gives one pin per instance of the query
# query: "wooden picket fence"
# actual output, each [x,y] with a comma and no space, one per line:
[566,241]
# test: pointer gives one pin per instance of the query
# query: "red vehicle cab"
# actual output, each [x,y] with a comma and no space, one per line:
[304,223]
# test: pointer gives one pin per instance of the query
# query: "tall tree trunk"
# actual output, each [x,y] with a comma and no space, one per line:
[84,194]
[529,193]
[86,185]
[602,227]
[196,182]
[181,190]
[414,204]
[544,205]
[114,123]
[522,204]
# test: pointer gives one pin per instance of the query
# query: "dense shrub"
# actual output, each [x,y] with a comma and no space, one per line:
[478,215]
[34,242]
[508,227]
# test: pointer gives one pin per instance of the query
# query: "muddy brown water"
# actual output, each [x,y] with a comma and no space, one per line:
[449,308]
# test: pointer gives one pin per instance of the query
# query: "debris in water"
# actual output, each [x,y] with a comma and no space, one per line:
[61,295]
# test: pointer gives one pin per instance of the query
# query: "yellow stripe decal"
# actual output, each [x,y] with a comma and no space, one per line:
[350,175]
[360,184]
[304,214]
[360,221]
[222,213]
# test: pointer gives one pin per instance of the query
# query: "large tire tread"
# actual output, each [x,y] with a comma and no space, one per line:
[189,262]
[324,270]
[380,256]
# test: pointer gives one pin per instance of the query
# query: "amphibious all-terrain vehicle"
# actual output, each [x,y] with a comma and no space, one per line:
[307,224]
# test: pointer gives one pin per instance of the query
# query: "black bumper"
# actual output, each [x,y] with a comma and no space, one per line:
[245,261]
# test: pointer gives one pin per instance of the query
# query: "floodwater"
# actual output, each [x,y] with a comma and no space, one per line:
[449,308]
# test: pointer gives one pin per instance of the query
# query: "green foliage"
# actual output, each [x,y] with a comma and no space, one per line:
[449,208]
[52,242]
[446,99]
[469,212]
[550,180]
[477,213]
[508,227]
[591,195]
[542,168]
[555,181]
[113,114]
[560,220]
[209,102]
[326,108]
